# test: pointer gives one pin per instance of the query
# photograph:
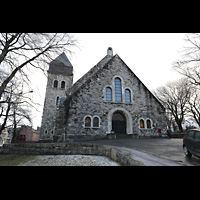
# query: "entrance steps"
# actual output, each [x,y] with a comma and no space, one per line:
[123,136]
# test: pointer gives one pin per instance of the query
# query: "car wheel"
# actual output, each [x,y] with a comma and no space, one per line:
[186,151]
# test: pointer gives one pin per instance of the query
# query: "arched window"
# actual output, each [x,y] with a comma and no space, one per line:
[46,132]
[87,122]
[149,123]
[118,90]
[127,96]
[63,85]
[55,84]
[108,94]
[95,122]
[142,123]
[57,100]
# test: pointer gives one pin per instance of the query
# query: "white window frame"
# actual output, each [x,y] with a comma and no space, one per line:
[139,123]
[91,118]
[99,121]
[151,123]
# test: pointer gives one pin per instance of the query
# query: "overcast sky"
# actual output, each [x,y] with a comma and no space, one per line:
[149,55]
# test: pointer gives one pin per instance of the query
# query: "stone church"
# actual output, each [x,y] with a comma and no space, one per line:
[108,100]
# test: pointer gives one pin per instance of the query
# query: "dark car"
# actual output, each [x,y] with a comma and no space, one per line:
[191,142]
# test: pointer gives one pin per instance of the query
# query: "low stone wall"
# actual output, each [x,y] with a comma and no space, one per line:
[114,153]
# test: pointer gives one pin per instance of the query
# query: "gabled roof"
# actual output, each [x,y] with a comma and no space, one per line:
[61,65]
[88,75]
[97,69]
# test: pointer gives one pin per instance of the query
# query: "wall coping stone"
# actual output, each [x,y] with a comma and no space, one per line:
[114,153]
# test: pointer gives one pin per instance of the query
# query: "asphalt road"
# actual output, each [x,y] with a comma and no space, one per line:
[170,149]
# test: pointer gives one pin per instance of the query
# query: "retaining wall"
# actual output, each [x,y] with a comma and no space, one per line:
[114,153]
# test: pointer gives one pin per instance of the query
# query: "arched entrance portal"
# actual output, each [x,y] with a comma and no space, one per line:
[128,127]
[119,123]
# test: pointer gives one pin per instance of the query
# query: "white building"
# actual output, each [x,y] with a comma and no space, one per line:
[190,123]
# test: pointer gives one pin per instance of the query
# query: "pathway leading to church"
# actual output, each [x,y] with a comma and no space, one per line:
[168,149]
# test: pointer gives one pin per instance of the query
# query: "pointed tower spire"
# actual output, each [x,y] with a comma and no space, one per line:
[61,65]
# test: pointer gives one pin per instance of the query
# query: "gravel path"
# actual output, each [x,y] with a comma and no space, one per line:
[70,160]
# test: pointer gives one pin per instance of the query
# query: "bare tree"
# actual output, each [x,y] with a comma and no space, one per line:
[174,97]
[15,105]
[194,105]
[189,62]
[18,50]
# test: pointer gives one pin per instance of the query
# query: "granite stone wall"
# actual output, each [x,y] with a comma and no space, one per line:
[88,99]
[115,154]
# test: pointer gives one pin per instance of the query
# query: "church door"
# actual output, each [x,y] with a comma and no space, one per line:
[119,123]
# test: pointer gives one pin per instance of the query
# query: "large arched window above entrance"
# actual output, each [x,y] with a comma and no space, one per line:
[118,90]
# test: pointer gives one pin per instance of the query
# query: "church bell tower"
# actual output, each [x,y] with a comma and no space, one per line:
[60,78]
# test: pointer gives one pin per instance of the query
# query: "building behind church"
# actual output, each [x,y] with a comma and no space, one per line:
[109,98]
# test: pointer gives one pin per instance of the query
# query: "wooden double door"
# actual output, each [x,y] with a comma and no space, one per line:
[119,123]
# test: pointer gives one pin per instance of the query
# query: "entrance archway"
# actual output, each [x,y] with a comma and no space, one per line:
[126,115]
[119,123]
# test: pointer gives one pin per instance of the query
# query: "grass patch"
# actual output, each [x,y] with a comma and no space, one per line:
[14,160]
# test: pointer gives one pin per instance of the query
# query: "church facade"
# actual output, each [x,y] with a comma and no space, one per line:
[108,99]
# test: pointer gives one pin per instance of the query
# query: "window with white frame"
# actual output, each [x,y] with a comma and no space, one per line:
[92,121]
[117,92]
[149,123]
[87,122]
[145,123]
[141,123]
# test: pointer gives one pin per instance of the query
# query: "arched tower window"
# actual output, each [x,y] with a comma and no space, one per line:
[57,100]
[55,84]
[118,90]
[127,96]
[108,94]
[63,85]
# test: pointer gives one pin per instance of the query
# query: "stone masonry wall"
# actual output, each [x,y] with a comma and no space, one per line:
[50,108]
[90,100]
[115,154]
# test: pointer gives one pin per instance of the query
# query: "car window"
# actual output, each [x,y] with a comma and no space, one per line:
[190,134]
[197,135]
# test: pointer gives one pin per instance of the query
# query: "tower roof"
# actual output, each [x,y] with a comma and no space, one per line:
[61,65]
